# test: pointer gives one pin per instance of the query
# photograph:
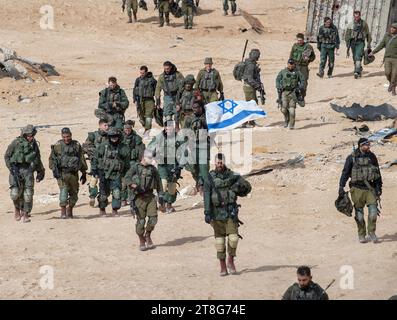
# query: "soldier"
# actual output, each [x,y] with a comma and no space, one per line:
[305,288]
[188,10]
[113,103]
[365,187]
[66,160]
[356,34]
[164,10]
[209,82]
[143,178]
[199,145]
[110,163]
[144,89]
[132,8]
[221,210]
[226,7]
[94,139]
[184,100]
[170,82]
[288,81]
[23,158]
[389,42]
[303,54]
[252,79]
[136,147]
[164,147]
[328,43]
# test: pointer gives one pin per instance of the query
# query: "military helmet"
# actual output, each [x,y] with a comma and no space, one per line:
[208,60]
[29,129]
[344,205]
[190,79]
[367,58]
[113,132]
[255,54]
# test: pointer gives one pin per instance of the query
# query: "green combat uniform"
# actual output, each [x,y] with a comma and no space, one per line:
[188,10]
[136,147]
[303,55]
[185,99]
[327,41]
[355,37]
[110,163]
[112,106]
[132,8]
[199,148]
[147,179]
[365,188]
[220,203]
[65,161]
[286,83]
[312,292]
[94,139]
[226,6]
[165,149]
[164,11]
[23,159]
[389,42]
[251,77]
[170,84]
[209,83]
[143,93]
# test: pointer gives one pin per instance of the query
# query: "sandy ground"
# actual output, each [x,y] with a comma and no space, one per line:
[289,219]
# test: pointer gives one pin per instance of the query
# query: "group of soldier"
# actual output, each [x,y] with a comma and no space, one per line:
[187,9]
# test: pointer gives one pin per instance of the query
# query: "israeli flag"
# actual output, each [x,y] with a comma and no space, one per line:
[230,114]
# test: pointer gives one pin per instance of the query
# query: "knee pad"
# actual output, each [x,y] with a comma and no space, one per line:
[152,221]
[28,195]
[140,223]
[233,240]
[63,195]
[373,212]
[14,194]
[359,216]
[220,244]
[116,194]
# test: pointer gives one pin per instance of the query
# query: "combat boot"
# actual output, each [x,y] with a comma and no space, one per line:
[356,75]
[63,212]
[17,214]
[223,268]
[102,212]
[230,265]
[25,217]
[373,237]
[142,243]
[129,20]
[362,239]
[115,213]
[225,13]
[170,208]
[149,242]
[69,212]
[320,74]
[92,202]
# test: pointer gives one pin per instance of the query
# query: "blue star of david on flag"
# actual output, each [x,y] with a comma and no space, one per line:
[224,106]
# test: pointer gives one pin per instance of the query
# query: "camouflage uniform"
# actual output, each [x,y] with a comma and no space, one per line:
[251,77]
[164,11]
[188,9]
[136,147]
[112,106]
[312,292]
[185,99]
[144,90]
[94,139]
[327,41]
[303,55]
[356,36]
[209,83]
[170,84]
[132,8]
[110,163]
[23,159]
[68,159]
[287,82]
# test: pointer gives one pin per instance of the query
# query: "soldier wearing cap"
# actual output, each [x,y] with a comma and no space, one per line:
[66,160]
[209,82]
[389,43]
[23,158]
[288,81]
[362,168]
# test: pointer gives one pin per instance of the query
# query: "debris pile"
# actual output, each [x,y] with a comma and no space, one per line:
[367,113]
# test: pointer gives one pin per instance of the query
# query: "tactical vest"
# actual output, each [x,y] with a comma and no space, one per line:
[69,156]
[112,161]
[147,178]
[328,35]
[187,100]
[358,31]
[131,142]
[146,88]
[363,170]
[298,52]
[170,84]
[309,294]
[113,96]
[290,80]
[99,138]
[208,82]
[222,183]
[25,153]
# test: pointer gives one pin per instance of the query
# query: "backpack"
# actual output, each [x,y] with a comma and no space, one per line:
[239,70]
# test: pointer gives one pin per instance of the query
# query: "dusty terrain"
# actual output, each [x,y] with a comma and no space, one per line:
[289,219]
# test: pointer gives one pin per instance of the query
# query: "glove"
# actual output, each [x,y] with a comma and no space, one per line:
[341,191]
[83,178]
[208,219]
[222,97]
[40,176]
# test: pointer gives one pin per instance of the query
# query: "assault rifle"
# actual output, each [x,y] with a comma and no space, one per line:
[56,171]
